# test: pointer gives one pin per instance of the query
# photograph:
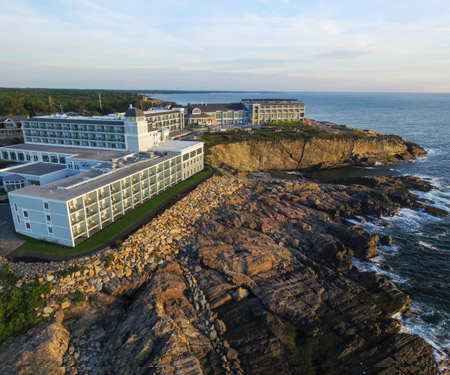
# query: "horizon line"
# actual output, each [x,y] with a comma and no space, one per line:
[176,91]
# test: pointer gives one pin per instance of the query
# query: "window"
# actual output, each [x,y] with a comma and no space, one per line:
[48,218]
[28,157]
[21,156]
[62,160]
[54,159]
[25,213]
[5,155]
[45,159]
[15,206]
[28,226]
[197,111]
[13,156]
[36,158]
[45,205]
[18,219]
[50,230]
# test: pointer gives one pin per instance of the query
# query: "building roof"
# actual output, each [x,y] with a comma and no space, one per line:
[14,177]
[35,169]
[214,107]
[13,118]
[134,112]
[94,120]
[74,152]
[175,146]
[272,101]
[75,186]
[159,112]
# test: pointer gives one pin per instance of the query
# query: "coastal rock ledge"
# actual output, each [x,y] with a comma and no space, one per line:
[256,278]
[313,153]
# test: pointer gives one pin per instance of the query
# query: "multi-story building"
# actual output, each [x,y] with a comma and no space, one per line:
[70,210]
[264,111]
[116,131]
[74,179]
[216,114]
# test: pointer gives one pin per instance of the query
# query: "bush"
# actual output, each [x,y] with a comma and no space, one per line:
[77,296]
[69,271]
[18,308]
[119,244]
[219,174]
[7,276]
[109,260]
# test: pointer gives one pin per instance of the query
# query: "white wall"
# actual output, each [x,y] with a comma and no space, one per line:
[34,208]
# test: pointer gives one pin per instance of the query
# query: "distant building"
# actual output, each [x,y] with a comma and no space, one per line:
[10,127]
[264,111]
[216,114]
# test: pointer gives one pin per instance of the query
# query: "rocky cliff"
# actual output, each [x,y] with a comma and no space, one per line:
[316,152]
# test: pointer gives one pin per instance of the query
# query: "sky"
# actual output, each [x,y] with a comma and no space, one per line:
[273,45]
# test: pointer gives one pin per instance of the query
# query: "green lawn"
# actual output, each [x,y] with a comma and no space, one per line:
[33,245]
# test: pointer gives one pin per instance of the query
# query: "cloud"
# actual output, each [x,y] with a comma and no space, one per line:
[340,55]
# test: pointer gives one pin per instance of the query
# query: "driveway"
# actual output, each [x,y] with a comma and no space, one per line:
[8,240]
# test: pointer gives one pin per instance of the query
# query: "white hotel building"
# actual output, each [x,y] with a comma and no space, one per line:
[79,179]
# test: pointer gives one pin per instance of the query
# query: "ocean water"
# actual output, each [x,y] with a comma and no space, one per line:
[419,262]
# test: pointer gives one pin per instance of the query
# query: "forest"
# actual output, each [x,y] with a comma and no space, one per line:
[33,102]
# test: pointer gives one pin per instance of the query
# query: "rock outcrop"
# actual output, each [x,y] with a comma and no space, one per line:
[39,352]
[311,153]
[259,280]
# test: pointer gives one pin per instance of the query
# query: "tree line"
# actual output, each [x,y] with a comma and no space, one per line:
[33,102]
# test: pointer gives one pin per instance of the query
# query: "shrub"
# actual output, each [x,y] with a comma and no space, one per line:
[219,174]
[7,276]
[109,260]
[69,271]
[18,308]
[77,296]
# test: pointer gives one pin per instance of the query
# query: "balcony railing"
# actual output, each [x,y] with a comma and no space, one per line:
[75,208]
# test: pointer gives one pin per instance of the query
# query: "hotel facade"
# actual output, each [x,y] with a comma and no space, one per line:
[65,191]
[264,111]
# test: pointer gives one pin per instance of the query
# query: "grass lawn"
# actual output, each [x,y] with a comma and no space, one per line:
[33,245]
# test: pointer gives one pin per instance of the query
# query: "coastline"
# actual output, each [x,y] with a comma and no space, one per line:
[250,252]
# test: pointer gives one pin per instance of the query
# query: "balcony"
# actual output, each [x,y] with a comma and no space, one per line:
[75,208]
[76,220]
[92,224]
[90,213]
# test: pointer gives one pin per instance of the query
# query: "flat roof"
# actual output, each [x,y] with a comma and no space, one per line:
[175,146]
[50,191]
[35,169]
[75,152]
[94,120]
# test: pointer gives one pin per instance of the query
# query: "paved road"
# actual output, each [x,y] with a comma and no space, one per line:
[8,241]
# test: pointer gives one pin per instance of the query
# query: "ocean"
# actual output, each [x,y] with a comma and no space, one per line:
[419,261]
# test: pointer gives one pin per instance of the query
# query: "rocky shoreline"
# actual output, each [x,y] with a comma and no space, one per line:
[240,276]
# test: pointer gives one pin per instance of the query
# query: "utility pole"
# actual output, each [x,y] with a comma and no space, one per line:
[100,100]
[50,101]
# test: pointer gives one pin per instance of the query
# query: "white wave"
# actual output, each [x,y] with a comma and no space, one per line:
[408,219]
[434,333]
[295,173]
[374,265]
[428,246]
[378,163]
[365,167]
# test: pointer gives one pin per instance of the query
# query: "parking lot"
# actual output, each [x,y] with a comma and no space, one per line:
[8,240]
